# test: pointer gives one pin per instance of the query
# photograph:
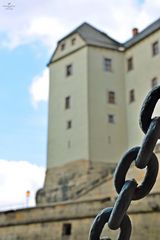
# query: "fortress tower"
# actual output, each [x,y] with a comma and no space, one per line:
[97,86]
[87,99]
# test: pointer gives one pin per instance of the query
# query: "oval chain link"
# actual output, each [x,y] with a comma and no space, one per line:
[102,218]
[150,177]
[143,157]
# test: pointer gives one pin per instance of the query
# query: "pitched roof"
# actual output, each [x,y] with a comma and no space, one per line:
[143,34]
[93,36]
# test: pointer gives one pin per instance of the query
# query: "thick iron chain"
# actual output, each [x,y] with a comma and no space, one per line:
[129,190]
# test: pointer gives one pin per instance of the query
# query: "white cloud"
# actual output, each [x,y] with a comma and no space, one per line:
[15,179]
[39,88]
[49,21]
[45,28]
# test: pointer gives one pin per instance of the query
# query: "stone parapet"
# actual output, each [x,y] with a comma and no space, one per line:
[74,210]
[55,212]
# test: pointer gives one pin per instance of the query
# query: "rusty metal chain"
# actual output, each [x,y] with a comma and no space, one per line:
[129,190]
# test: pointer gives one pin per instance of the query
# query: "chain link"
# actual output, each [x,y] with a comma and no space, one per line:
[102,218]
[151,173]
[129,190]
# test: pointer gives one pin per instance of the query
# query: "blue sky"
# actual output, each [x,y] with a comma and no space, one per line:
[28,36]
[22,126]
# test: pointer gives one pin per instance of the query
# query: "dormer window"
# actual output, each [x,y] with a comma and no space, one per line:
[73,41]
[63,46]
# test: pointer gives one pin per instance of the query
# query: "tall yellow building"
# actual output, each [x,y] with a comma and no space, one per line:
[87,99]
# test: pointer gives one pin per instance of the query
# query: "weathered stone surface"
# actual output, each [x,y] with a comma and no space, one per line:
[47,222]
[73,181]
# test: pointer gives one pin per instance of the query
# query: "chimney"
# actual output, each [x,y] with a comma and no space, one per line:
[134,32]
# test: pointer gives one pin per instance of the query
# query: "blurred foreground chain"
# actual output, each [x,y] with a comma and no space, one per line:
[143,157]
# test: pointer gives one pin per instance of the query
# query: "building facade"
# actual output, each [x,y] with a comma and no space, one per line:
[97,86]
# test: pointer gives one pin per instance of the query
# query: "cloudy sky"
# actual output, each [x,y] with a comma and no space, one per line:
[29,31]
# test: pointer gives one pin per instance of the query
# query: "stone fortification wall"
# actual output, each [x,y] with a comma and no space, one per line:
[72,220]
[73,181]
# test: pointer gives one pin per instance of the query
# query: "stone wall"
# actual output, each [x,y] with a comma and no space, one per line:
[73,181]
[49,222]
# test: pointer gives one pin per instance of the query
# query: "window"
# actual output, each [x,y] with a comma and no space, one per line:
[111,97]
[69,124]
[131,96]
[67,229]
[63,46]
[67,102]
[69,70]
[111,118]
[73,41]
[130,64]
[154,82]
[155,48]
[108,64]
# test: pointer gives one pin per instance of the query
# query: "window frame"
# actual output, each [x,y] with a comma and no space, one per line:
[155,48]
[67,102]
[69,124]
[107,64]
[111,118]
[69,70]
[132,96]
[130,64]
[73,41]
[111,97]
[63,46]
